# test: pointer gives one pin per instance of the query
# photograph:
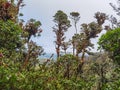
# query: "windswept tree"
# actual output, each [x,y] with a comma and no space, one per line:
[33,51]
[91,30]
[75,16]
[61,26]
[83,39]
[32,27]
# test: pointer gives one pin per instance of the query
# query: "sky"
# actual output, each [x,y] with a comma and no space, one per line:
[44,10]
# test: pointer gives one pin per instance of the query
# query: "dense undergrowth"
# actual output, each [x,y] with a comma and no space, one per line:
[60,75]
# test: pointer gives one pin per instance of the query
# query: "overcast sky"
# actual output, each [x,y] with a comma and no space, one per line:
[44,10]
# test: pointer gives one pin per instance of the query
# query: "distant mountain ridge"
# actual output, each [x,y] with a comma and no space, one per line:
[48,55]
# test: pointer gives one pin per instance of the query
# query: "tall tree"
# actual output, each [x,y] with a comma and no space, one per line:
[61,26]
[31,28]
[84,39]
[75,16]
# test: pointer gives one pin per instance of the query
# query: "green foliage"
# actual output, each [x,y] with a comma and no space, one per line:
[40,78]
[44,76]
[9,35]
[67,65]
[111,43]
[61,18]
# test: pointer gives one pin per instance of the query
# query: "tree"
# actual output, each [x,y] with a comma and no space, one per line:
[75,16]
[32,51]
[110,42]
[83,40]
[13,33]
[32,27]
[62,25]
[91,30]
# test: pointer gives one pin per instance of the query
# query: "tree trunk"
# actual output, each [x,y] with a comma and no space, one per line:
[58,51]
[26,59]
[73,49]
[76,28]
[81,63]
[77,53]
[65,52]
[83,55]
[67,72]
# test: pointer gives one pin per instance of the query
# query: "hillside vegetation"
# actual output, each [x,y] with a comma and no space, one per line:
[22,69]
